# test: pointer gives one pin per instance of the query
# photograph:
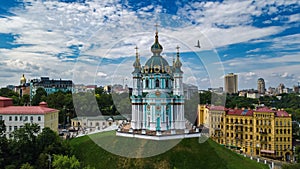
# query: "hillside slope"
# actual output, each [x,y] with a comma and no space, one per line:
[189,153]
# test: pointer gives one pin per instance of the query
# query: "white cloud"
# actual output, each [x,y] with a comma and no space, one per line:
[107,29]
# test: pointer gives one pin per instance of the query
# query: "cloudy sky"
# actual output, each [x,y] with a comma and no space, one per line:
[93,41]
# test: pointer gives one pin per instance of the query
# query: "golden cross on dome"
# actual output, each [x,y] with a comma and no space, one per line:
[156,25]
[177,48]
[136,49]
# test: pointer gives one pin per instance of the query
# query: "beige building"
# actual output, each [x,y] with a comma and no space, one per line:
[231,83]
[16,116]
[260,132]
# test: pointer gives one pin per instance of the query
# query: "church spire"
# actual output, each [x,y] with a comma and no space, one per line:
[177,63]
[156,48]
[137,64]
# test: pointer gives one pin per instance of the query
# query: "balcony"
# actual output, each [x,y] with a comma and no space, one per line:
[263,133]
[238,138]
[238,131]
[218,135]
[238,124]
[263,141]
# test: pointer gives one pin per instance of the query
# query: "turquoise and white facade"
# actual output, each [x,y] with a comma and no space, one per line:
[157,96]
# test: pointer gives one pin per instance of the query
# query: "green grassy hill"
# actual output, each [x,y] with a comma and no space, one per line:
[189,153]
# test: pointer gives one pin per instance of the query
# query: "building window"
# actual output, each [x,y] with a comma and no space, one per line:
[167,83]
[26,118]
[39,118]
[0,117]
[15,128]
[31,118]
[147,83]
[10,118]
[16,118]
[21,118]
[10,128]
[156,83]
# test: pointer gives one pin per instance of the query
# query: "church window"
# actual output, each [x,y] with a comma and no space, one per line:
[147,83]
[167,83]
[156,83]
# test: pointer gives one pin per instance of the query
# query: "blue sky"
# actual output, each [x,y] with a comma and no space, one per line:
[92,41]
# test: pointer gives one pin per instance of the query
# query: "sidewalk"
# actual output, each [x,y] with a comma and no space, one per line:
[273,164]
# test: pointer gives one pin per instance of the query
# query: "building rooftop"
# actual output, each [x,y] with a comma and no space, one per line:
[6,107]
[248,112]
[26,110]
[240,112]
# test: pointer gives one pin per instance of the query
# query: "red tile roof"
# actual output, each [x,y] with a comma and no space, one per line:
[4,98]
[216,108]
[26,110]
[264,109]
[240,112]
[282,113]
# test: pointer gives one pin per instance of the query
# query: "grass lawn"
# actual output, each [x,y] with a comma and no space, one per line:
[188,153]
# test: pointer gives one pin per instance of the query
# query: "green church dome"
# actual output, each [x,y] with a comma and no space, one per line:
[156,64]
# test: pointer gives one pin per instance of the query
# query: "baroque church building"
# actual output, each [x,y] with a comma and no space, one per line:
[157,95]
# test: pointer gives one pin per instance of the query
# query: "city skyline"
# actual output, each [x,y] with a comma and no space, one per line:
[92,42]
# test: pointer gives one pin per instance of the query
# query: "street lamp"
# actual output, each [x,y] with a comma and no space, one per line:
[49,159]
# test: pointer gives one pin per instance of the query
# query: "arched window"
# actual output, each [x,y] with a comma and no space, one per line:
[167,83]
[147,83]
[156,83]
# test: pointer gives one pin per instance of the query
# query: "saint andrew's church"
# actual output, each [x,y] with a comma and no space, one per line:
[157,95]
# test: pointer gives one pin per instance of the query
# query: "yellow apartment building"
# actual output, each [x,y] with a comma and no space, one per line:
[259,132]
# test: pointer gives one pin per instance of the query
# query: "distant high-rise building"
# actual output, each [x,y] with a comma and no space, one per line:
[261,86]
[231,83]
[280,88]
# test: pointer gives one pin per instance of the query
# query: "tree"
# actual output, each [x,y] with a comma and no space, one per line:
[5,92]
[24,146]
[4,151]
[27,166]
[25,99]
[49,142]
[63,162]
[39,96]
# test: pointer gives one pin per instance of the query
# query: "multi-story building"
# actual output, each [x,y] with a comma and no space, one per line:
[81,88]
[50,86]
[261,86]
[16,116]
[280,88]
[231,83]
[260,132]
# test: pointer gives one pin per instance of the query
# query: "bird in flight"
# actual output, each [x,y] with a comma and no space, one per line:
[198,45]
